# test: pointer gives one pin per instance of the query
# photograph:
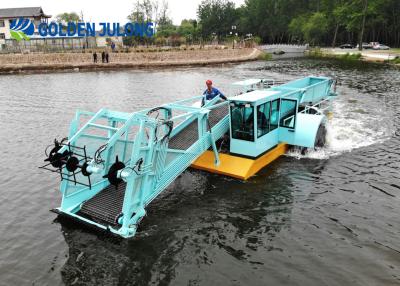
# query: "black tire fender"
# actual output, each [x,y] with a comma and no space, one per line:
[320,137]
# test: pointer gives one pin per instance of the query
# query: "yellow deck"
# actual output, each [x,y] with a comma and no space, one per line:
[235,166]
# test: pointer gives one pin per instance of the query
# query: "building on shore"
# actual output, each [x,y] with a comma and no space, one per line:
[35,14]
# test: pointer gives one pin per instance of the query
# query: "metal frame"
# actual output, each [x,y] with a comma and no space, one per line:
[160,164]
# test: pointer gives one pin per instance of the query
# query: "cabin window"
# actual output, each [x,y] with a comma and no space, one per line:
[242,121]
[2,23]
[274,121]
[267,117]
[288,113]
[263,118]
[2,36]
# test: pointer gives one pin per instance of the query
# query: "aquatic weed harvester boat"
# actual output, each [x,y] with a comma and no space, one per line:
[113,164]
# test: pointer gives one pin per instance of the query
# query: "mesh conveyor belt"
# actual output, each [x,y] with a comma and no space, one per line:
[189,135]
[217,114]
[185,138]
[106,205]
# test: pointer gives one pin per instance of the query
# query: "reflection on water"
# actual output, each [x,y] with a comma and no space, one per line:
[186,230]
[329,218]
[277,56]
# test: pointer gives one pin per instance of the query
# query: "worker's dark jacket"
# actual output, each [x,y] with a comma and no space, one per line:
[208,95]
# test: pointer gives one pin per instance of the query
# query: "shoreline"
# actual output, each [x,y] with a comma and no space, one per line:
[371,56]
[129,61]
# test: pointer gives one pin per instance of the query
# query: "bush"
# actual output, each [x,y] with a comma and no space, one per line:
[316,52]
[350,57]
[265,56]
[160,41]
[257,40]
[395,61]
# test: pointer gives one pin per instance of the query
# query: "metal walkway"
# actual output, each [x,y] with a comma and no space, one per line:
[190,134]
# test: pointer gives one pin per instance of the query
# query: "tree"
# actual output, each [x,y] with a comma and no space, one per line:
[296,27]
[315,28]
[360,38]
[216,17]
[64,18]
[322,22]
[345,20]
[143,11]
[163,18]
[137,14]
[188,30]
[165,25]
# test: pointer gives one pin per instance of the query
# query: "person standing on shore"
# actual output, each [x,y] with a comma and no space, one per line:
[103,57]
[107,57]
[210,93]
[95,57]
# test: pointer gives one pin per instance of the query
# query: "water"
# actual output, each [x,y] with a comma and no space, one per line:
[328,218]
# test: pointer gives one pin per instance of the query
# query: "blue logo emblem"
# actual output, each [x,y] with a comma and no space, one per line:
[21,28]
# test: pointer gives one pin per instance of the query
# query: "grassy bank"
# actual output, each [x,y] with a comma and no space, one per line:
[264,56]
[19,63]
[318,53]
[388,57]
[395,61]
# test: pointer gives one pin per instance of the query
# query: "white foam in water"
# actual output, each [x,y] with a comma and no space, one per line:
[354,124]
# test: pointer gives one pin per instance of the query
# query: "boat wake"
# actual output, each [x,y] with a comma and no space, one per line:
[352,126]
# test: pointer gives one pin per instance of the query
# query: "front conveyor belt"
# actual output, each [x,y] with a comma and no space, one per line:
[106,206]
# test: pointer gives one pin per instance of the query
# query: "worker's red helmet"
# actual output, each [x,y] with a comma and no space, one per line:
[208,82]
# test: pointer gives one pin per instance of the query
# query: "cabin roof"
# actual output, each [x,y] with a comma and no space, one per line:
[254,96]
[247,82]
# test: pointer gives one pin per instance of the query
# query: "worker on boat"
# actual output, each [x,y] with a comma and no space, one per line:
[210,93]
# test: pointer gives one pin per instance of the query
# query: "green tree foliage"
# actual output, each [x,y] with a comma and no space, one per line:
[143,11]
[318,22]
[315,28]
[64,18]
[157,11]
[323,22]
[296,28]
[217,17]
[189,30]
